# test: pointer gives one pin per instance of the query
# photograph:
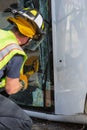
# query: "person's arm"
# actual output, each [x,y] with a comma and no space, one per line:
[12,85]
[13,73]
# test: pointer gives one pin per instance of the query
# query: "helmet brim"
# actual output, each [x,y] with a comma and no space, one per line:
[24,26]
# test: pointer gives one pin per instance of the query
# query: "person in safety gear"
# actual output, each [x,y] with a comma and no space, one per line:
[27,24]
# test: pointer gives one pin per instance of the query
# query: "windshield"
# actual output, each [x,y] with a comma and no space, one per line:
[38,68]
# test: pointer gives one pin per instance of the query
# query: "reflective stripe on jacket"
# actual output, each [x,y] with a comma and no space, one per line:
[9,47]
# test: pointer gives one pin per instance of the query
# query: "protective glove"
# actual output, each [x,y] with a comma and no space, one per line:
[23,82]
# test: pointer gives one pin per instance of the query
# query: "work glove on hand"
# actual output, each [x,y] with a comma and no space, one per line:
[23,82]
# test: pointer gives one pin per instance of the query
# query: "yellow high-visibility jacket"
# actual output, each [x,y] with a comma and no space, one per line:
[8,48]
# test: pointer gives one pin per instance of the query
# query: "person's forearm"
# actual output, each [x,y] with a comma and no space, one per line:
[13,85]
[10,90]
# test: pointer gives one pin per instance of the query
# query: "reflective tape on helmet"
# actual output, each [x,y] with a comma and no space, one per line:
[38,20]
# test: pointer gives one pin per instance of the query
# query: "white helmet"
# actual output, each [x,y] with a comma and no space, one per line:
[29,22]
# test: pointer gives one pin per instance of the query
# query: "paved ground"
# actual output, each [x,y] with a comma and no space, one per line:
[47,125]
